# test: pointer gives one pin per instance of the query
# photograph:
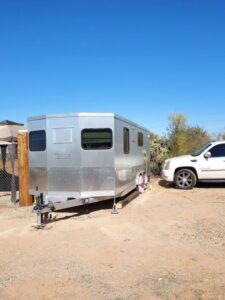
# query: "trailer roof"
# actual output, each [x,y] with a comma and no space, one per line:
[83,114]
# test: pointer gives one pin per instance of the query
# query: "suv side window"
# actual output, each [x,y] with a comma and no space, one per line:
[218,151]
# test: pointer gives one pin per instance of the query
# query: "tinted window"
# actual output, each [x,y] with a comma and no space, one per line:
[126,140]
[37,140]
[218,151]
[140,139]
[93,139]
[197,153]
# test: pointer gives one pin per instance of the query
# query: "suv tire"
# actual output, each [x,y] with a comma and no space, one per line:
[185,179]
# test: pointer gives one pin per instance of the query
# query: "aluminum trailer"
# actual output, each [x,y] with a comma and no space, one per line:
[80,158]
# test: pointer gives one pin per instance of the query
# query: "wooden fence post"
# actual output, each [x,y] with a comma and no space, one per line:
[24,198]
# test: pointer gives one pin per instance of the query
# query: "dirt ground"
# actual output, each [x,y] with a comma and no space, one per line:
[165,244]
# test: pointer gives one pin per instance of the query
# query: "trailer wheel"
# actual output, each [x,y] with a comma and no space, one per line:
[185,179]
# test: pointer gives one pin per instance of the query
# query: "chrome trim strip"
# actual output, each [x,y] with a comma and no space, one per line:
[216,170]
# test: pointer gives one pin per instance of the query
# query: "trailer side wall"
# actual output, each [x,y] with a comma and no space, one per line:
[129,162]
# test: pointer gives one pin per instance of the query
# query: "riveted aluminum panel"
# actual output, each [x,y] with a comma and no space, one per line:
[98,173]
[128,166]
[64,179]
[38,180]
[98,179]
[63,154]
[38,173]
[37,159]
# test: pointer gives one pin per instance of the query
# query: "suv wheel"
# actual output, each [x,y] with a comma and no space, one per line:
[185,179]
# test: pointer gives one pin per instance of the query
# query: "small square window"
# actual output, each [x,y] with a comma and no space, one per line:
[37,140]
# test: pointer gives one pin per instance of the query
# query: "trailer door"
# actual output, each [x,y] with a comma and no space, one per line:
[97,161]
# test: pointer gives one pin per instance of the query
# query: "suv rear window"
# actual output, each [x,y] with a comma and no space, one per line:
[96,139]
[37,140]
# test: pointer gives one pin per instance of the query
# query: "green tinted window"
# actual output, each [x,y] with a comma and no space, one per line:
[126,140]
[140,139]
[93,139]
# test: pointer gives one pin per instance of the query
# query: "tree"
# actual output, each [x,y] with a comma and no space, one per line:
[219,136]
[177,134]
[196,137]
[183,138]
[158,152]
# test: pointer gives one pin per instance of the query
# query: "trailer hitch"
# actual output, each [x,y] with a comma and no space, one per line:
[42,210]
[39,203]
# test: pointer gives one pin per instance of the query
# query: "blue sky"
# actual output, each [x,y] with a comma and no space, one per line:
[140,59]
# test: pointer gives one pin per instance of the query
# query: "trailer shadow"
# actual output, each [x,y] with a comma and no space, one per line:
[88,209]
[78,211]
[84,210]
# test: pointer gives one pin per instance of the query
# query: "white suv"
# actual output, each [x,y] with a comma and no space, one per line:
[206,164]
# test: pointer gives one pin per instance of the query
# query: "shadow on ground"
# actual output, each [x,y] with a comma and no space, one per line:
[199,185]
[79,211]
[211,185]
[165,184]
[87,209]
